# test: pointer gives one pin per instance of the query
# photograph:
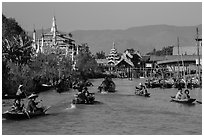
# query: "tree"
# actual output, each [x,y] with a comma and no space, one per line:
[165,51]
[100,55]
[21,67]
[16,53]
[86,63]
[17,49]
[50,67]
[10,28]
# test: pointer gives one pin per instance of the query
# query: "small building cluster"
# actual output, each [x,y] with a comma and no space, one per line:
[132,64]
[120,65]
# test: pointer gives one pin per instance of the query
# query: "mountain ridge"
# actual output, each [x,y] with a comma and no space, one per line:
[140,38]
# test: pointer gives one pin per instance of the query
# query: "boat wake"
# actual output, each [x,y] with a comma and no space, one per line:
[3,119]
[73,106]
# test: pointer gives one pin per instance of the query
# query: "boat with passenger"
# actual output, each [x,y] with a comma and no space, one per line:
[20,115]
[107,86]
[141,90]
[84,97]
[19,112]
[183,101]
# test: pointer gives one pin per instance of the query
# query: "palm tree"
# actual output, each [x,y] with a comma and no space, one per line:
[18,49]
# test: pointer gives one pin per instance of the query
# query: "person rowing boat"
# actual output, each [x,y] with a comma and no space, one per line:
[26,113]
[141,89]
[32,104]
[84,97]
[17,106]
[107,85]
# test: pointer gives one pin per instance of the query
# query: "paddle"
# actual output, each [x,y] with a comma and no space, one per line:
[26,112]
[199,102]
[25,108]
[46,108]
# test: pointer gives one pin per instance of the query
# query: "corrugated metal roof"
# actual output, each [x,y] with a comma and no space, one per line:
[171,57]
[174,59]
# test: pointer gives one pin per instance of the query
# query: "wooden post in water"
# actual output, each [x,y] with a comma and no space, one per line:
[178,56]
[198,50]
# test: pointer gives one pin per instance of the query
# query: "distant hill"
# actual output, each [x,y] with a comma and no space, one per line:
[143,39]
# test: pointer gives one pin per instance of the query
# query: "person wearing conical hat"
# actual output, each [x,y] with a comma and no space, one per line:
[19,90]
[32,105]
[17,102]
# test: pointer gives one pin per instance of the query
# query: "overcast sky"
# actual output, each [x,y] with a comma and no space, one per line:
[91,16]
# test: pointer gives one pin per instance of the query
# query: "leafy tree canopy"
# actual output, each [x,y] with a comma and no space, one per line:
[85,60]
[164,51]
[100,55]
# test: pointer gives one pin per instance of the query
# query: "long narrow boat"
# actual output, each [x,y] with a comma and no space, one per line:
[184,101]
[19,115]
[81,100]
[14,96]
[144,95]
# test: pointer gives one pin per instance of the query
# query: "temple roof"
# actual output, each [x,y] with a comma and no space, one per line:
[124,59]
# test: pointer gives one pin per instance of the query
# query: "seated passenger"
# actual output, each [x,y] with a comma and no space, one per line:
[186,94]
[85,90]
[17,105]
[145,91]
[80,96]
[86,93]
[179,94]
[32,104]
[142,89]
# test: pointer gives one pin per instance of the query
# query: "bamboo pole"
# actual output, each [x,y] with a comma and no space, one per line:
[199,78]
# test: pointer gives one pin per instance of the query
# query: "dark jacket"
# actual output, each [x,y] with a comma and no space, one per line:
[31,106]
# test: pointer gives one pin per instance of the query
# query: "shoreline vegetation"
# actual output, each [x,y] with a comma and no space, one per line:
[20,64]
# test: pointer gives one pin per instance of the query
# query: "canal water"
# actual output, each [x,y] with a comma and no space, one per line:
[120,113]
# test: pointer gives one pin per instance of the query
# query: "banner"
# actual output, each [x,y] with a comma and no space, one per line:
[148,65]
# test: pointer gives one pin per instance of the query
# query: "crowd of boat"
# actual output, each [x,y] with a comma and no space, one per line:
[83,96]
[172,82]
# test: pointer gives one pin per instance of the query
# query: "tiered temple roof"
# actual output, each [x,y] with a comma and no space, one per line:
[113,56]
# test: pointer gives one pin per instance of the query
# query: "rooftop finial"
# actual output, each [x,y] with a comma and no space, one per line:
[42,32]
[113,45]
[34,28]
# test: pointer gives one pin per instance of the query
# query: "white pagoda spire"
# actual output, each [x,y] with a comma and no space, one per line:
[54,25]
[34,36]
[54,29]
[113,56]
[34,40]
[113,45]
